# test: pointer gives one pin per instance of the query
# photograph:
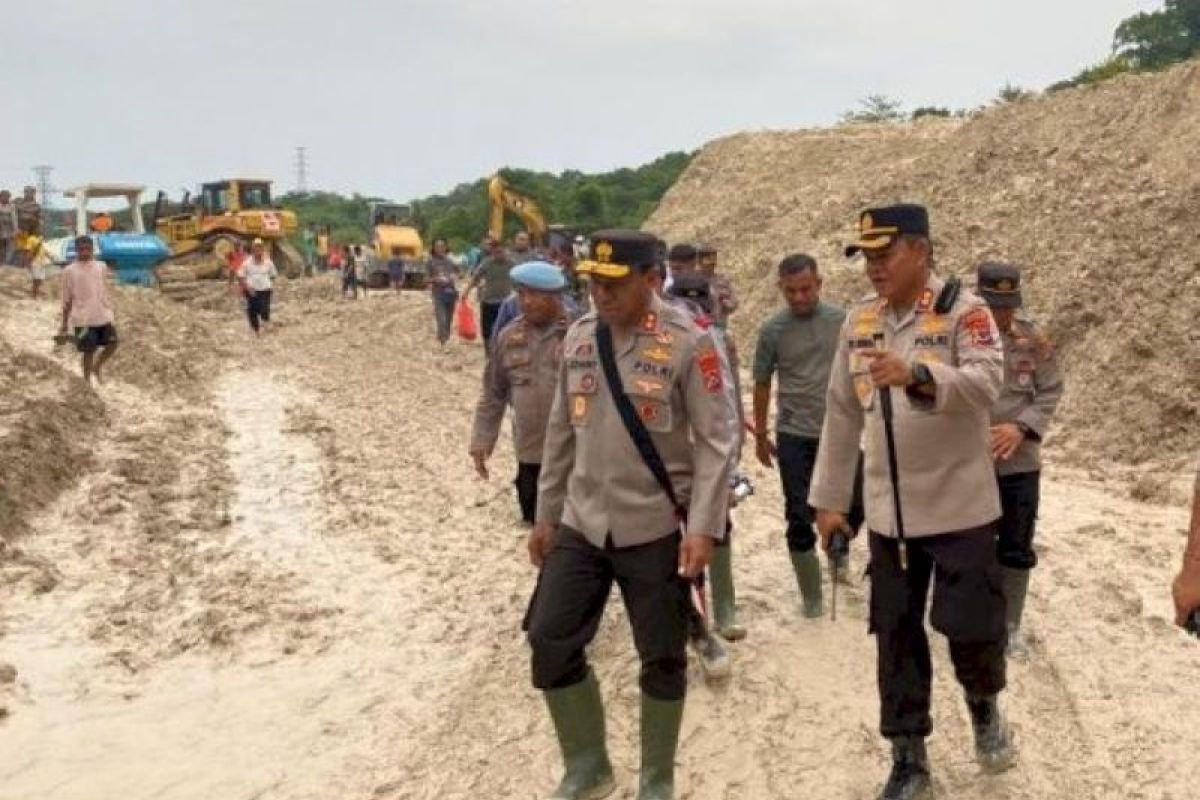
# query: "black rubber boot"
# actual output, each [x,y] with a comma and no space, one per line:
[909,779]
[993,742]
[578,716]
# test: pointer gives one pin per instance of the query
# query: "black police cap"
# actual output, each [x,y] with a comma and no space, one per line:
[616,253]
[999,284]
[879,227]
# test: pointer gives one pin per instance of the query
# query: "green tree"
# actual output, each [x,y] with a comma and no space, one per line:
[1155,40]
[875,108]
[621,198]
[589,205]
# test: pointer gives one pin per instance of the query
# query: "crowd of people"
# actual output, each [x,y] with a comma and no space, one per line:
[913,418]
[21,242]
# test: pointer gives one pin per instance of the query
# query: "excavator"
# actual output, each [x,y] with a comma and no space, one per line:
[501,199]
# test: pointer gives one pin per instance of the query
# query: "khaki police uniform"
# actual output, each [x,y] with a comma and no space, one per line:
[523,373]
[1032,388]
[947,487]
[614,520]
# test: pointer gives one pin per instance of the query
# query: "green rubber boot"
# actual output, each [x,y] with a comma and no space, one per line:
[1016,586]
[578,716]
[661,720]
[720,574]
[808,576]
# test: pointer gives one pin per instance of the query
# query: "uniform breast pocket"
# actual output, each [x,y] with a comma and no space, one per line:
[516,358]
[654,411]
[1020,373]
[581,395]
[860,376]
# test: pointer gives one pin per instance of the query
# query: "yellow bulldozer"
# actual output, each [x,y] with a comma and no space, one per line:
[204,231]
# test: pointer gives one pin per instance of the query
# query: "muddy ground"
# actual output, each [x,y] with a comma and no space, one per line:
[265,569]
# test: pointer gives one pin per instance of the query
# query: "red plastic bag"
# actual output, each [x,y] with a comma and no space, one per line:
[464,321]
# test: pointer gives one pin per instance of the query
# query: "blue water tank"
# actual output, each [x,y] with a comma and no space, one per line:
[132,256]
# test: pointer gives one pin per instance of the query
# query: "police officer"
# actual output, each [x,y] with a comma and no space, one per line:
[523,372]
[725,300]
[691,292]
[603,516]
[936,351]
[681,259]
[1030,394]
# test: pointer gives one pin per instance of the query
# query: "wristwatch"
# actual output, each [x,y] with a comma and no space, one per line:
[921,375]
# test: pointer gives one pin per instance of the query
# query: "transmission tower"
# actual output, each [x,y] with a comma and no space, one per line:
[45,191]
[301,170]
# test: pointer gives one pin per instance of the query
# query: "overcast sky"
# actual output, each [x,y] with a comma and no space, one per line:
[402,98]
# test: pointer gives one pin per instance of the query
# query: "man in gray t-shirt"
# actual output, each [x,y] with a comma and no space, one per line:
[495,285]
[798,346]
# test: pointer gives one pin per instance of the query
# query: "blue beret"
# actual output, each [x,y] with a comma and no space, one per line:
[539,275]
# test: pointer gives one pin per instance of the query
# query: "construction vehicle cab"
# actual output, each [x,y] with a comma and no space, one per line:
[233,196]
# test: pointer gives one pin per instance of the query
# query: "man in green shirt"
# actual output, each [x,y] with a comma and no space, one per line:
[798,345]
[492,273]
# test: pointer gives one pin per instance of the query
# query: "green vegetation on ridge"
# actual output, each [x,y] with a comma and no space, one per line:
[621,198]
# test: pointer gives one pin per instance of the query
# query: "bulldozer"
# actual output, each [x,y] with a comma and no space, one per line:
[202,233]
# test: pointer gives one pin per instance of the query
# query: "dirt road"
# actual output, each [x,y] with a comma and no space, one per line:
[289,584]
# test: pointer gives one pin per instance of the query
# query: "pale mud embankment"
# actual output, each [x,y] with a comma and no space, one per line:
[268,571]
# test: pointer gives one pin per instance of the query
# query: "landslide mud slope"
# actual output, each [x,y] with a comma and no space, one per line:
[1094,191]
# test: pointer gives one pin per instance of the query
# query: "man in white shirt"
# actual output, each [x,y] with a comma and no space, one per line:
[258,275]
[87,307]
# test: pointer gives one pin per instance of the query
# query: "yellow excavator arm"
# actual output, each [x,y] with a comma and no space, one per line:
[501,199]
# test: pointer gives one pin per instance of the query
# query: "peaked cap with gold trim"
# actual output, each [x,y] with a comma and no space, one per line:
[616,253]
[879,227]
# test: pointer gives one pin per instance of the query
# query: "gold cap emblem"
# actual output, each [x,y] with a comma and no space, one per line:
[867,222]
[1005,285]
[604,252]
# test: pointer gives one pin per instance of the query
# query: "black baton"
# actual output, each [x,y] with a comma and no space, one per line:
[889,431]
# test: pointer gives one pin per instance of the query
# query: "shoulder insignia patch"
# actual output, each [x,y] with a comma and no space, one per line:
[978,324]
[709,364]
